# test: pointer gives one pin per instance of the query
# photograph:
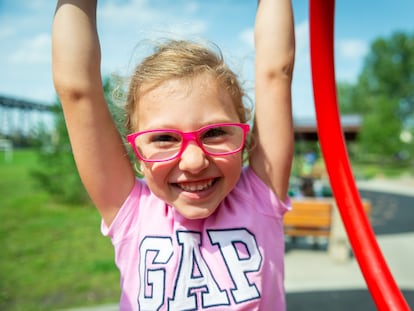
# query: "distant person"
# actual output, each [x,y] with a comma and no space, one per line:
[200,231]
[309,160]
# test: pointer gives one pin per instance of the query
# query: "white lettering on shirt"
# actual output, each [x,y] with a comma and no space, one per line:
[239,263]
[152,273]
[194,274]
[195,284]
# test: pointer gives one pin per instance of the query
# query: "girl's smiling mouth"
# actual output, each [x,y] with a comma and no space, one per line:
[198,186]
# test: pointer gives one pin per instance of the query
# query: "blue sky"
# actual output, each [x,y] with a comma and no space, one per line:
[125,26]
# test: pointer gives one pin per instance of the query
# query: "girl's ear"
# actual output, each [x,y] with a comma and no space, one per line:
[138,169]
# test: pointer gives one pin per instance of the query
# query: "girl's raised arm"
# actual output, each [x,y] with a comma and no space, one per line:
[273,130]
[98,149]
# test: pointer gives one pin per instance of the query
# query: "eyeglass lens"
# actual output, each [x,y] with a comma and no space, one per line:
[166,144]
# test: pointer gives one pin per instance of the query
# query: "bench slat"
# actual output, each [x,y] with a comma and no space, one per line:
[304,232]
[312,217]
[308,218]
[307,221]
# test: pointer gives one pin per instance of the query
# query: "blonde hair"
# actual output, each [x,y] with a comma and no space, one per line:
[180,59]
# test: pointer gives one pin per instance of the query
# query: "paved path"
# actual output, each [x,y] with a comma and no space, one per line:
[309,270]
[316,282]
[402,185]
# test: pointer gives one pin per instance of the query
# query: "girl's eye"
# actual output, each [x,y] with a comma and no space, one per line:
[164,138]
[214,132]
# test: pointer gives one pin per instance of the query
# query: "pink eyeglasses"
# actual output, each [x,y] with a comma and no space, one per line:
[166,144]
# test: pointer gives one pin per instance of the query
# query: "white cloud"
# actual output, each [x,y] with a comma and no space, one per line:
[192,7]
[6,32]
[36,4]
[302,43]
[352,49]
[126,13]
[142,16]
[349,56]
[194,27]
[302,95]
[35,50]
[247,37]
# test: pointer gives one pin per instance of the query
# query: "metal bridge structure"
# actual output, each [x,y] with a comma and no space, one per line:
[22,117]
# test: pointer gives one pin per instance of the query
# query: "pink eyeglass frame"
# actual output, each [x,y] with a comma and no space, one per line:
[187,138]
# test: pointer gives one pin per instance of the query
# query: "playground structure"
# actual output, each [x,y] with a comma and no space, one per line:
[378,277]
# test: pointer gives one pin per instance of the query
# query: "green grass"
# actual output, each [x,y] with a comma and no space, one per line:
[53,255]
[369,171]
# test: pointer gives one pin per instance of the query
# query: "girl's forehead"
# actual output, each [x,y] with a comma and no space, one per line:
[187,102]
[180,85]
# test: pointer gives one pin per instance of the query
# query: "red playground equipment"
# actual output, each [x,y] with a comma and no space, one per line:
[380,282]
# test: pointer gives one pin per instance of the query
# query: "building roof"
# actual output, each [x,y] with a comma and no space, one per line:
[306,128]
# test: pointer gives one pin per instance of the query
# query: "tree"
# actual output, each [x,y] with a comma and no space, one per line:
[57,172]
[384,96]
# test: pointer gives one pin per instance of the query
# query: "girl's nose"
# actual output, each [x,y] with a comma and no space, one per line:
[193,159]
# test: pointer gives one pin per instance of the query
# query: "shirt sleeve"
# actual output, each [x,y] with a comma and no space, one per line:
[265,200]
[127,217]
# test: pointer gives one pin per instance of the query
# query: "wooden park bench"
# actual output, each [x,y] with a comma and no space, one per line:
[309,217]
[319,217]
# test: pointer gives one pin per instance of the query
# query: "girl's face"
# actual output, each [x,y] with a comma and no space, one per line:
[194,183]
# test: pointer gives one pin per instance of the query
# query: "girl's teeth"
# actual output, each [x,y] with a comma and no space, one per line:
[194,188]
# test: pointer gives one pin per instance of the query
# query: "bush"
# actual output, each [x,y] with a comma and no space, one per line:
[57,173]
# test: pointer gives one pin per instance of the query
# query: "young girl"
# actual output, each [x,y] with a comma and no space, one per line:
[200,231]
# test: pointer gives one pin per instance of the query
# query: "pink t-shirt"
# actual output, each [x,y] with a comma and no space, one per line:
[232,260]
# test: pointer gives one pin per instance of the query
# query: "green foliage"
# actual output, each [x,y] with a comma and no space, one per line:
[52,255]
[56,172]
[115,99]
[348,98]
[384,96]
[381,131]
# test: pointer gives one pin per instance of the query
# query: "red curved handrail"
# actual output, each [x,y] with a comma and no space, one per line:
[381,284]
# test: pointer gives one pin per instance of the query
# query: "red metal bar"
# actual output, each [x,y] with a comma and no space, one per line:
[381,284]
